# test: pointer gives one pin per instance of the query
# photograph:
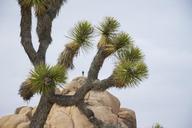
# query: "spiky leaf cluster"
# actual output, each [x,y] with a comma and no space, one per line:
[131,53]
[157,125]
[111,40]
[108,29]
[121,40]
[44,78]
[129,73]
[130,70]
[25,90]
[81,36]
[41,6]
[118,42]
[109,26]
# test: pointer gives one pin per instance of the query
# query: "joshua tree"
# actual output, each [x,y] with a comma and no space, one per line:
[129,70]
[157,125]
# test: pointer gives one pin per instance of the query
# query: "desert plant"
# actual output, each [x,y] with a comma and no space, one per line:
[107,29]
[42,79]
[80,35]
[129,70]
[157,125]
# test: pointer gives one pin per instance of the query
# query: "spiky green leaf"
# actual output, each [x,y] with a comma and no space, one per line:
[82,34]
[44,78]
[109,26]
[108,29]
[131,53]
[118,41]
[58,74]
[121,40]
[129,74]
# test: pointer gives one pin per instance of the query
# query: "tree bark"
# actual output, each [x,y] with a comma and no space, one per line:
[40,116]
[25,33]
[78,97]
[44,25]
[96,65]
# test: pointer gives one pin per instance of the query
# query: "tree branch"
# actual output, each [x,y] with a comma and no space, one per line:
[78,97]
[90,115]
[43,108]
[103,84]
[25,33]
[96,64]
[66,100]
[44,25]
[63,100]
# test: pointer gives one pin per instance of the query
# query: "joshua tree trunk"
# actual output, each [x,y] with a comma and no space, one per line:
[40,116]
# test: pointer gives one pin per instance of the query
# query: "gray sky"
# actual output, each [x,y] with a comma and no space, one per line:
[161,28]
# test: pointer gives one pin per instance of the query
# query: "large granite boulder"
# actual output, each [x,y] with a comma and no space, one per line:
[105,106]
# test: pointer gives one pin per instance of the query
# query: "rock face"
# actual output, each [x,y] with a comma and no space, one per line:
[105,106]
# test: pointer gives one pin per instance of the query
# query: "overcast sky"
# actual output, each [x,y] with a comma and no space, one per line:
[161,28]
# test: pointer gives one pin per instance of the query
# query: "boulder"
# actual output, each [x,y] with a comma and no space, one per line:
[105,106]
[24,125]
[12,121]
[128,117]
